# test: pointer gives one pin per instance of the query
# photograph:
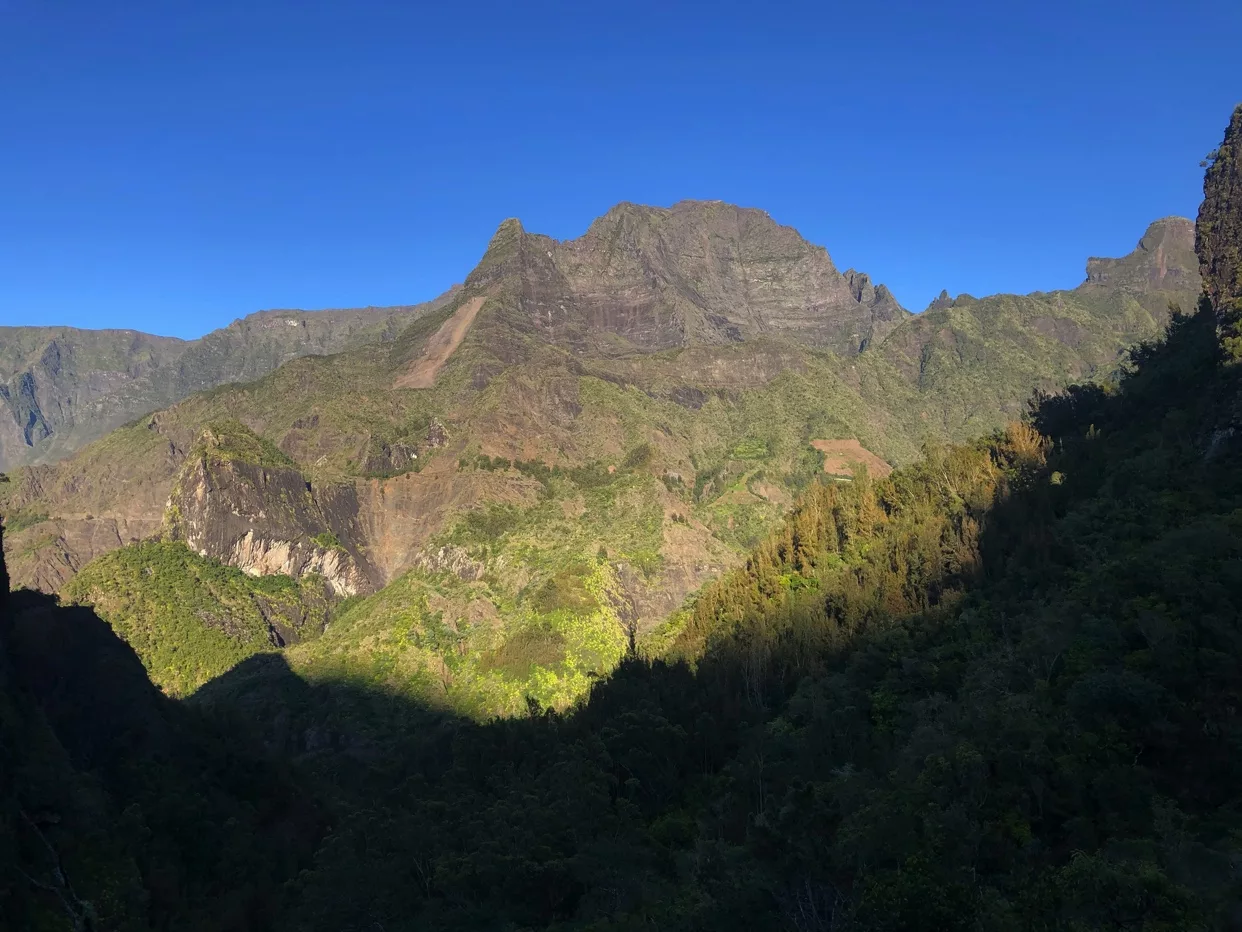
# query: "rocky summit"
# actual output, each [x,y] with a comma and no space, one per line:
[699,273]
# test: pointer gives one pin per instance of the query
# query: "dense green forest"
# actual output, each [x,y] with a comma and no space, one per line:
[998,689]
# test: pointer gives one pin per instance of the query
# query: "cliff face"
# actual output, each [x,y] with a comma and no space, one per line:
[61,387]
[1163,260]
[1220,233]
[264,517]
[699,273]
[4,576]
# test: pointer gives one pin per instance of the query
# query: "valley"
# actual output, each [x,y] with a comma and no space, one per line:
[643,613]
[543,466]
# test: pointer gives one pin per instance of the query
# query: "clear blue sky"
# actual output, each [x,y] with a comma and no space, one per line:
[169,165]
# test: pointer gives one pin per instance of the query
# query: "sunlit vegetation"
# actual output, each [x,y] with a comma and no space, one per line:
[191,619]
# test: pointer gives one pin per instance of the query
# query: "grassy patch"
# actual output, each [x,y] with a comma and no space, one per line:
[19,519]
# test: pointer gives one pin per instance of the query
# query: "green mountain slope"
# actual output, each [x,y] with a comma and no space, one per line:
[190,619]
[61,387]
[976,359]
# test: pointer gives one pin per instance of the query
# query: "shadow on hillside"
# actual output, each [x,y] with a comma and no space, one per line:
[747,792]
[351,727]
[129,809]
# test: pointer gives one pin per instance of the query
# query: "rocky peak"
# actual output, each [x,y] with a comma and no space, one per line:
[1163,260]
[943,300]
[696,273]
[697,229]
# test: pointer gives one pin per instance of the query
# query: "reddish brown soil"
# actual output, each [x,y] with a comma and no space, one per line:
[841,458]
[440,346]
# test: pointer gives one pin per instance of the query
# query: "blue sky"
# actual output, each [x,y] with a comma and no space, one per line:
[168,165]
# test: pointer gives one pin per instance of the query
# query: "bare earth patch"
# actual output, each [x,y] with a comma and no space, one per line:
[842,457]
[440,346]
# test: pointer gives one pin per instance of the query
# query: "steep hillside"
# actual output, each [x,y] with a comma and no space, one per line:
[61,387]
[1219,238]
[976,360]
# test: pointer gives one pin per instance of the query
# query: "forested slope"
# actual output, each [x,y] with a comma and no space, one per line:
[995,690]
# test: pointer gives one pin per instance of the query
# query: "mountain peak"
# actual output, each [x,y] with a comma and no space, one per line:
[943,300]
[503,254]
[1163,259]
[697,218]
[698,272]
[510,226]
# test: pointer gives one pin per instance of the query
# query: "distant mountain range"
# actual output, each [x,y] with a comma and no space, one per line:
[550,456]
[61,387]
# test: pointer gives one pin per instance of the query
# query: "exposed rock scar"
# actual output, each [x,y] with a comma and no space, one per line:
[841,457]
[440,346]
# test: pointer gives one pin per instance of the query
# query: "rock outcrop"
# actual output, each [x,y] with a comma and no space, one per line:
[1219,239]
[646,279]
[4,576]
[1163,260]
[261,515]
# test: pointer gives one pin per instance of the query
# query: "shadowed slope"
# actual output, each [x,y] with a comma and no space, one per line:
[120,809]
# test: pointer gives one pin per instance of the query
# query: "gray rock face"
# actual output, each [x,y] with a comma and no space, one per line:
[1164,259]
[645,279]
[266,520]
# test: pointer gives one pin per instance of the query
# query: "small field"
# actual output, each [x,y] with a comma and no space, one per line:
[842,457]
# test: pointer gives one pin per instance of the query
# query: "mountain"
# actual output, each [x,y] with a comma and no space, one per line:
[1219,238]
[542,468]
[973,358]
[61,387]
[700,273]
[996,688]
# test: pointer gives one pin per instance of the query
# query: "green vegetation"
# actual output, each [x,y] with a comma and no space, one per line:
[190,619]
[20,519]
[230,439]
[436,640]
[327,540]
[996,689]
